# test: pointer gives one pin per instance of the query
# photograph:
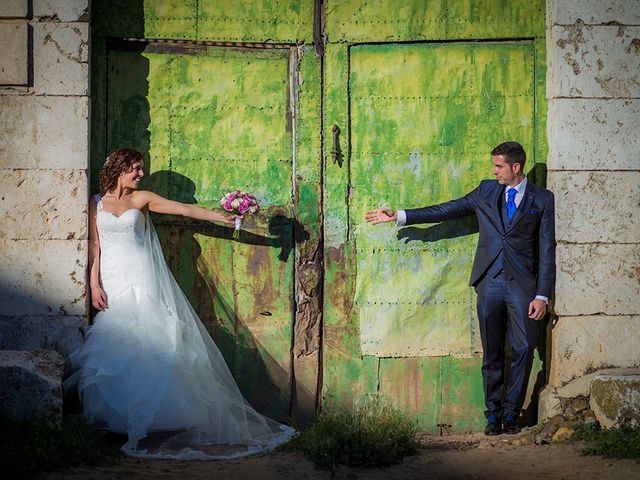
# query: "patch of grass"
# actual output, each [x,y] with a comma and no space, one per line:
[374,435]
[29,449]
[617,442]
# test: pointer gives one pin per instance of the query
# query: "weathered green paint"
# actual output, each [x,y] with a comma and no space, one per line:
[348,376]
[251,21]
[336,188]
[355,21]
[462,399]
[417,120]
[217,20]
[415,385]
[306,353]
[203,139]
[423,119]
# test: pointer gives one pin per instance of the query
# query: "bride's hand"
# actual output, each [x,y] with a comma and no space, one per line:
[99,298]
[230,219]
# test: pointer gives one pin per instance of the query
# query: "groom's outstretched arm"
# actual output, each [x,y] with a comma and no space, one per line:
[461,207]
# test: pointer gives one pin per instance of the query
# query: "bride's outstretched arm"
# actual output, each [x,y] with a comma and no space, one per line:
[98,297]
[160,204]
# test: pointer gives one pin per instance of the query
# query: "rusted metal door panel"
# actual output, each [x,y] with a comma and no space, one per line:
[211,120]
[415,385]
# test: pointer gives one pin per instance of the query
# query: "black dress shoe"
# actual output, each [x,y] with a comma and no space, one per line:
[494,427]
[510,426]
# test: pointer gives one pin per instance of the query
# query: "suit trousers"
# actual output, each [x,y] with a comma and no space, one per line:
[503,315]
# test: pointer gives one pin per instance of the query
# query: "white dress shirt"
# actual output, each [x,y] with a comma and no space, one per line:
[520,195]
[401,219]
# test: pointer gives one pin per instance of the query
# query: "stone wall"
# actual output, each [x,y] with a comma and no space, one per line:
[44,157]
[593,89]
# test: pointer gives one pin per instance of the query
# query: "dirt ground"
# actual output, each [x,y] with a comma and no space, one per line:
[452,457]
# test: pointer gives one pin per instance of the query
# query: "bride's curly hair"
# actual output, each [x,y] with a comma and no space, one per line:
[118,162]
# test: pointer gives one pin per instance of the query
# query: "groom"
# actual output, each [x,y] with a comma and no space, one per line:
[513,273]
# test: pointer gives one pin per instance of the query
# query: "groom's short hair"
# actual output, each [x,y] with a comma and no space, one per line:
[512,152]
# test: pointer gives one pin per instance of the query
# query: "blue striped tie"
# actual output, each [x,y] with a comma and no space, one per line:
[511,202]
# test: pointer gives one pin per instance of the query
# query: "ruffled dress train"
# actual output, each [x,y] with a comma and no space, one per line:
[148,367]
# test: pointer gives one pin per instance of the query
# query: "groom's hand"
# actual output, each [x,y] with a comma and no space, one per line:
[381,215]
[537,309]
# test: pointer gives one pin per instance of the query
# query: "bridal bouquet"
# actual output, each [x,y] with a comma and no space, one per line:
[239,203]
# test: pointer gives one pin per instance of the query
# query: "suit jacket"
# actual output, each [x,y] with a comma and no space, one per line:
[528,244]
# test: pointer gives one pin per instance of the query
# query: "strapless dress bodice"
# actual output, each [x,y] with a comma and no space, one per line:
[124,258]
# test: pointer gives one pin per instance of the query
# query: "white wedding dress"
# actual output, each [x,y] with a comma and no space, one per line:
[148,367]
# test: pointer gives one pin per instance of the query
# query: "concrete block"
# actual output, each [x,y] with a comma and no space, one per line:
[14,8]
[14,61]
[44,204]
[61,58]
[596,279]
[549,404]
[62,10]
[596,206]
[43,277]
[581,386]
[615,400]
[593,12]
[594,61]
[44,132]
[593,134]
[62,334]
[31,385]
[584,344]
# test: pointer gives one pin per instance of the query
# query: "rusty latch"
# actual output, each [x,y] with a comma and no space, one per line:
[336,151]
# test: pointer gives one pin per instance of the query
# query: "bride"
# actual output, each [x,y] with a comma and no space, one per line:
[148,368]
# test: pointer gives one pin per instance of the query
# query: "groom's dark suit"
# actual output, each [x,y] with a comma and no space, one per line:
[514,262]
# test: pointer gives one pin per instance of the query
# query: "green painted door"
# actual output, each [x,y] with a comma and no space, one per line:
[423,118]
[310,298]
[211,120]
